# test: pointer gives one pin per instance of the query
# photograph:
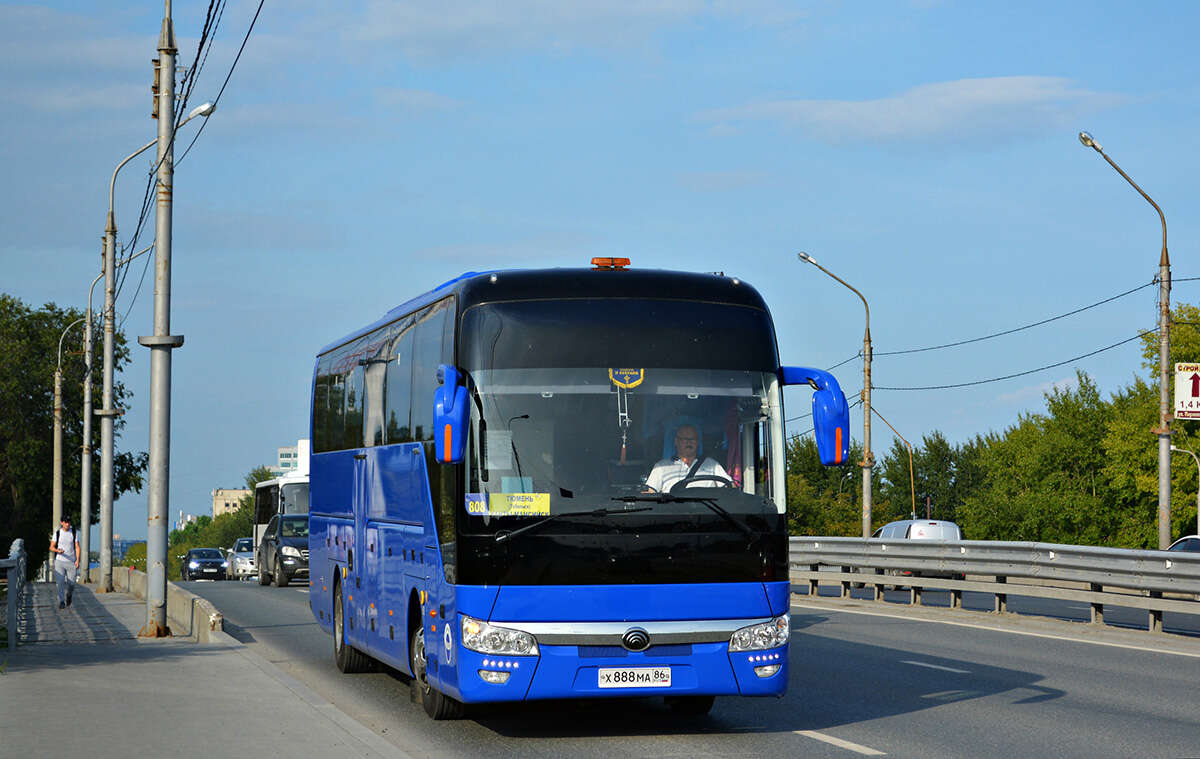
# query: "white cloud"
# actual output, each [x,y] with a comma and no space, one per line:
[1024,395]
[965,109]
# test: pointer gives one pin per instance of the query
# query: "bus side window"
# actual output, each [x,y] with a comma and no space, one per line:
[320,412]
[398,393]
[427,355]
[354,408]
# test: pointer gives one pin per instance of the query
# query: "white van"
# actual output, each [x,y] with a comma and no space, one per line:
[919,529]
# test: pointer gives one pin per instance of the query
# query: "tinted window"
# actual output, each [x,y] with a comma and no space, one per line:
[617,333]
[354,411]
[430,348]
[398,393]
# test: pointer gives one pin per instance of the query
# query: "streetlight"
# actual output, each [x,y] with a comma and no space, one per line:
[85,461]
[1164,344]
[56,484]
[1197,460]
[868,457]
[108,412]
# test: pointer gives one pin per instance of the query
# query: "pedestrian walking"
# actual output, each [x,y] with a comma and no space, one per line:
[65,547]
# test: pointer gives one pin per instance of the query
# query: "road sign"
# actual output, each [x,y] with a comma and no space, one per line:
[1187,391]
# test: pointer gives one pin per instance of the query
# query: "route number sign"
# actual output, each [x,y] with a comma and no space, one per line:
[1187,391]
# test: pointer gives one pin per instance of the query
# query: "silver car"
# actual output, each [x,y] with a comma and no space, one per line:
[241,559]
[921,529]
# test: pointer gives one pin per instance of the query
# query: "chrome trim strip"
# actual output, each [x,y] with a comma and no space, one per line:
[610,633]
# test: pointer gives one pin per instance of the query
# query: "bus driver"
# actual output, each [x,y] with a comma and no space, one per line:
[668,472]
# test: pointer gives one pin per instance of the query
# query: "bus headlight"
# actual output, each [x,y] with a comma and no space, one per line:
[761,636]
[478,635]
[290,551]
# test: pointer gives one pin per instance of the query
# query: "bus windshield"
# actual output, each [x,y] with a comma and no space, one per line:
[293,498]
[623,472]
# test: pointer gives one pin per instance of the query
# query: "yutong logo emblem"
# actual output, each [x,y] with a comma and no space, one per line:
[636,639]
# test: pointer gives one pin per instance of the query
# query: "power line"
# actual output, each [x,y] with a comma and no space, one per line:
[212,20]
[1022,374]
[856,355]
[1016,329]
[237,58]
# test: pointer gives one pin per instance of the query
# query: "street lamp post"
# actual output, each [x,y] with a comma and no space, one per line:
[85,457]
[56,486]
[1197,460]
[1164,343]
[868,458]
[108,413]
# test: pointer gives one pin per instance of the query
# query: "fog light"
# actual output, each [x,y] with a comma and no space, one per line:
[497,678]
[766,670]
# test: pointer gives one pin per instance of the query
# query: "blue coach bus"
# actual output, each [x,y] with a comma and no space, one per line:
[503,504]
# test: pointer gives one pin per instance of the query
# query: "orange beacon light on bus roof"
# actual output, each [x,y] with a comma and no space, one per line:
[610,263]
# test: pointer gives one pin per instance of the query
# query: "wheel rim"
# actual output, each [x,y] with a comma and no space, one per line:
[418,661]
[337,623]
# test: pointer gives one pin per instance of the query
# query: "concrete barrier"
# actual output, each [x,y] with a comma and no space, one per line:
[188,615]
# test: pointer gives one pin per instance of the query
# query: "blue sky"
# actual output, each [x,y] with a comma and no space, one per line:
[925,152]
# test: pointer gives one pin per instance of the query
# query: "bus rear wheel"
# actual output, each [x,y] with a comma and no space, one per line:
[348,658]
[436,704]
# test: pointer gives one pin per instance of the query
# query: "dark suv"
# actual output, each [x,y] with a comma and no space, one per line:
[283,552]
[204,564]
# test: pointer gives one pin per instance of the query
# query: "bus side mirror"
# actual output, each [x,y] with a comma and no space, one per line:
[831,414]
[449,416]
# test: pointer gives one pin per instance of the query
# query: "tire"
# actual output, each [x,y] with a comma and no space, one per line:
[262,575]
[436,704]
[279,575]
[691,706]
[347,658]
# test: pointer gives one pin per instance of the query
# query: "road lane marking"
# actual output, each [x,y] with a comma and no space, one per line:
[937,666]
[1067,638]
[855,747]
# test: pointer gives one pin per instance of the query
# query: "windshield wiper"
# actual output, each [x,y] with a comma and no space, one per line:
[711,503]
[601,512]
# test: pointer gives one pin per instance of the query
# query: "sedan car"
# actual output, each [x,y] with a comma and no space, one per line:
[1190,543]
[203,564]
[241,559]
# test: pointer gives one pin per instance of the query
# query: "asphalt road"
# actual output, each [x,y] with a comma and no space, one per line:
[861,684]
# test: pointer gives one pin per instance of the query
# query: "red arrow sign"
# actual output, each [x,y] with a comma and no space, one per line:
[1196,385]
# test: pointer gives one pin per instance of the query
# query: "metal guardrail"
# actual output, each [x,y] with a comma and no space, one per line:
[15,566]
[1113,576]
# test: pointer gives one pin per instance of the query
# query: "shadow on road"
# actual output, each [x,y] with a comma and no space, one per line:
[826,689]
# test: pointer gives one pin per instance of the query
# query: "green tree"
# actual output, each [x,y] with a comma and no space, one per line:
[29,340]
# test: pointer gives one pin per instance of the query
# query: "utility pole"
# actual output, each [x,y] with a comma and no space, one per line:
[161,343]
[85,459]
[107,412]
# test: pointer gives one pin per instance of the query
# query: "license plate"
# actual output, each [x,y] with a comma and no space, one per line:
[210,570]
[635,677]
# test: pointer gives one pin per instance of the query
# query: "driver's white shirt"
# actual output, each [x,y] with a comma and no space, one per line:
[667,472]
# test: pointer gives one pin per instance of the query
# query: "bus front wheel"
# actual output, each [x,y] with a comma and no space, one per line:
[436,704]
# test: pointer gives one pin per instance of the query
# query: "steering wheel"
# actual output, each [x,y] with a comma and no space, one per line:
[725,481]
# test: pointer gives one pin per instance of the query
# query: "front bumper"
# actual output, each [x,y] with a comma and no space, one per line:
[569,671]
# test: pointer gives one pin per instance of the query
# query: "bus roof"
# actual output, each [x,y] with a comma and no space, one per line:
[290,478]
[475,288]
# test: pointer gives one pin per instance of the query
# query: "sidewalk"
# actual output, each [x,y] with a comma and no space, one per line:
[83,684]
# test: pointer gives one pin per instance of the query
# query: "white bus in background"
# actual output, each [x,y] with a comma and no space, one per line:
[287,494]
